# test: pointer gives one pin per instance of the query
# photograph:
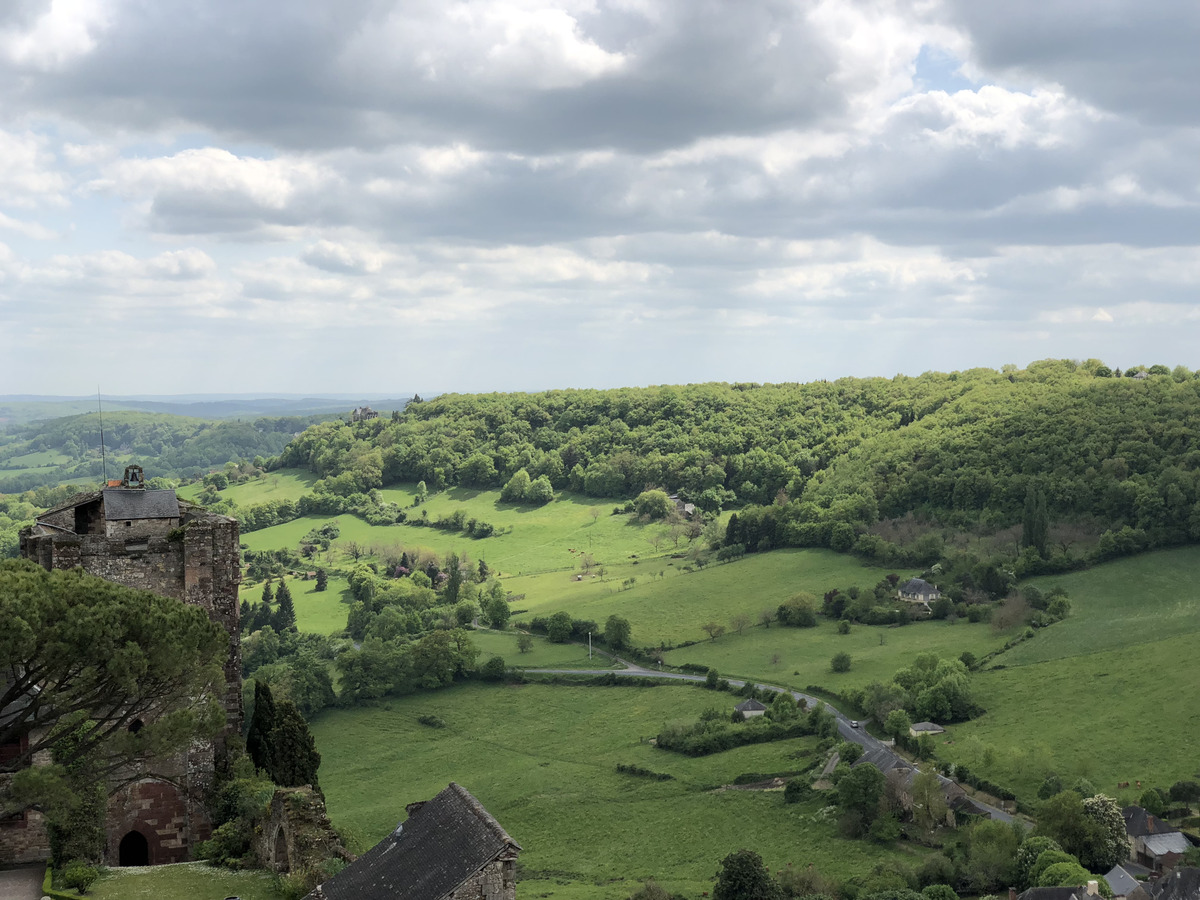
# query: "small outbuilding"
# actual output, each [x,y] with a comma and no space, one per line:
[920,728]
[750,708]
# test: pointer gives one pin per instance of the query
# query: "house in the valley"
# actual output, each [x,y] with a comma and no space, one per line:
[1153,843]
[1121,882]
[449,848]
[918,590]
[919,728]
[750,708]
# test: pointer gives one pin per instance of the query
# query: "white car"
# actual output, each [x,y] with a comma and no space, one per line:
[854,723]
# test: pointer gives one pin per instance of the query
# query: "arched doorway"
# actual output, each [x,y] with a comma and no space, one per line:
[281,853]
[134,850]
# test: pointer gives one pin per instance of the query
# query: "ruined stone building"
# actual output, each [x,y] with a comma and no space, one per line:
[449,848]
[150,540]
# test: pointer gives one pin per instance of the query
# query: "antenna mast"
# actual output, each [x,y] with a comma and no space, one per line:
[103,457]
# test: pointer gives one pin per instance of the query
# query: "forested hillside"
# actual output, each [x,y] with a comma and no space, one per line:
[165,445]
[829,463]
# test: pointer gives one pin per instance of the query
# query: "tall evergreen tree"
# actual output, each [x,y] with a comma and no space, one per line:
[267,594]
[732,531]
[1035,523]
[284,618]
[258,737]
[293,750]
[453,578]
[322,580]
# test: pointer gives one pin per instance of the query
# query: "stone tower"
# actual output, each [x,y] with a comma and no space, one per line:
[151,540]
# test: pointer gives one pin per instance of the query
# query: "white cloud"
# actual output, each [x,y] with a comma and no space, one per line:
[65,31]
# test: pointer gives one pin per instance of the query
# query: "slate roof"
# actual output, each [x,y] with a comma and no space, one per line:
[1138,822]
[1162,844]
[881,758]
[918,586]
[72,502]
[927,726]
[442,844]
[750,705]
[1054,893]
[139,504]
[1181,884]
[1122,883]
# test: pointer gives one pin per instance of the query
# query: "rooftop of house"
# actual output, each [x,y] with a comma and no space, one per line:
[927,726]
[1122,883]
[1162,844]
[1181,884]
[750,705]
[444,842]
[917,586]
[1138,822]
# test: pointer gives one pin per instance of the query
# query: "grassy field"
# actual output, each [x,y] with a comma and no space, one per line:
[543,655]
[804,653]
[183,881]
[322,612]
[542,760]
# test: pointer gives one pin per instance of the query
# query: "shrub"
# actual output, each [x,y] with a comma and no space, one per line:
[840,662]
[795,790]
[435,721]
[78,876]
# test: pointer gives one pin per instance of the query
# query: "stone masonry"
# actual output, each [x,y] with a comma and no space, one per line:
[152,541]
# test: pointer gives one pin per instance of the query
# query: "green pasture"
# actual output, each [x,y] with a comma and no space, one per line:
[542,760]
[668,604]
[1129,601]
[877,652]
[543,655]
[32,461]
[1120,715]
[321,612]
[182,881]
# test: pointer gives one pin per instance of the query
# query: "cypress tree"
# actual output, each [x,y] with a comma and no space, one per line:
[258,737]
[453,578]
[1035,522]
[322,580]
[293,750]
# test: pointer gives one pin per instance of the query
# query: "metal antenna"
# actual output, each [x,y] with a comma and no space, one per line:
[103,457]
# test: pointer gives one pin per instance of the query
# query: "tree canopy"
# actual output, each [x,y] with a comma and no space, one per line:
[75,649]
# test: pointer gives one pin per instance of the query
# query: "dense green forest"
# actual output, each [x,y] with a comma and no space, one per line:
[1103,461]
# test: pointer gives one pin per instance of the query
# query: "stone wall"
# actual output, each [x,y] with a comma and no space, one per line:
[198,563]
[495,881]
[296,834]
[23,837]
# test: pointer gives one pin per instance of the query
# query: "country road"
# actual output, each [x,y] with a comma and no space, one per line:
[869,743]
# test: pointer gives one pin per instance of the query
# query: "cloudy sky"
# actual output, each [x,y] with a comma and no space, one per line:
[388,195]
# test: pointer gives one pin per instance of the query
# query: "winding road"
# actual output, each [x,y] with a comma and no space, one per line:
[869,743]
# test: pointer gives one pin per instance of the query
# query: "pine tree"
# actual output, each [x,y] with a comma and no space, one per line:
[267,595]
[322,580]
[284,618]
[453,579]
[293,750]
[258,736]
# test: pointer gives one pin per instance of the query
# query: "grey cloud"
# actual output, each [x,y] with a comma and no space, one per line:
[1138,59]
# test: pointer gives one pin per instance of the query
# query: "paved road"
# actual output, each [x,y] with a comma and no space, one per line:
[855,735]
[22,884]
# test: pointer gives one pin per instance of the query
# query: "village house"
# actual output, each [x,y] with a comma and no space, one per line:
[363,414]
[449,848]
[1153,843]
[920,728]
[918,590]
[1089,891]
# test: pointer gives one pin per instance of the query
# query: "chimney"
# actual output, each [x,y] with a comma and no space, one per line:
[1093,888]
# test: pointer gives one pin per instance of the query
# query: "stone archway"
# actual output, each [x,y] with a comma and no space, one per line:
[280,861]
[134,850]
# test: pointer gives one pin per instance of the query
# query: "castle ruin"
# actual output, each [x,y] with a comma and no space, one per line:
[150,540]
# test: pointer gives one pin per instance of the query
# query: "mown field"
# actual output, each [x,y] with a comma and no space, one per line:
[542,759]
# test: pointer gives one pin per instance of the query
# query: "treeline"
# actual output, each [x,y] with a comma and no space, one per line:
[829,464]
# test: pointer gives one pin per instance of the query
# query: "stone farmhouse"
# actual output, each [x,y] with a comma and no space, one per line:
[751,708]
[449,848]
[1153,843]
[151,540]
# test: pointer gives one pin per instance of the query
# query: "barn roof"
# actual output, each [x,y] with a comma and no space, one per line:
[443,843]
[750,705]
[1139,822]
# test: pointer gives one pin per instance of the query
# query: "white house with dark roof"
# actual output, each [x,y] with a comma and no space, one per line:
[919,728]
[918,590]
[1153,843]
[750,708]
